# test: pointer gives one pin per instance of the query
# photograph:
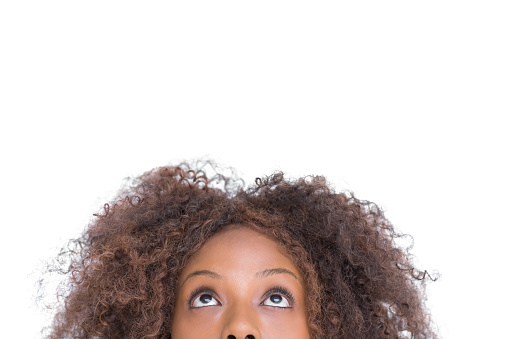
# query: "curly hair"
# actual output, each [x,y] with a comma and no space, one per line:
[122,277]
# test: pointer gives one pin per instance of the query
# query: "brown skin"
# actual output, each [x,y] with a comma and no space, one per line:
[236,302]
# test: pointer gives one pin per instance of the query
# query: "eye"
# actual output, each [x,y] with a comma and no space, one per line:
[278,297]
[276,300]
[204,299]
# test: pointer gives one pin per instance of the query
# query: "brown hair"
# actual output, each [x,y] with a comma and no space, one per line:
[122,279]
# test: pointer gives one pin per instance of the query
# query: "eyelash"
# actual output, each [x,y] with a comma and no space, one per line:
[197,292]
[274,290]
[279,290]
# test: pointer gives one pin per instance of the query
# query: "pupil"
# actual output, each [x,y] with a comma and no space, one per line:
[206,298]
[276,299]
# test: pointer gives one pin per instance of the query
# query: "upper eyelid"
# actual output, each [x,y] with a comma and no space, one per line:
[199,291]
[279,290]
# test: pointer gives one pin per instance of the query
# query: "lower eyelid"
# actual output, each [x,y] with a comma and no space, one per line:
[289,300]
[282,292]
[192,301]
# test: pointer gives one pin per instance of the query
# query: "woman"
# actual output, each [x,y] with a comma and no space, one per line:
[182,255]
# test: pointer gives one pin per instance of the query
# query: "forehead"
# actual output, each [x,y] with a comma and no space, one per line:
[240,249]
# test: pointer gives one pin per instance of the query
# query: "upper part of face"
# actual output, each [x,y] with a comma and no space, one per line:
[240,285]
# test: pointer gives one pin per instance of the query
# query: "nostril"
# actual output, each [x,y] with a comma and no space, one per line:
[231,337]
[249,336]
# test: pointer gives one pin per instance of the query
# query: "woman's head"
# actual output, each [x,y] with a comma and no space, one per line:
[154,264]
[241,283]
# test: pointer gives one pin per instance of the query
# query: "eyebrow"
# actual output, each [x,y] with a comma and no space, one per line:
[203,272]
[272,271]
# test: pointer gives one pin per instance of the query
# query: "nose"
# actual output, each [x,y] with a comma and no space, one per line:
[242,323]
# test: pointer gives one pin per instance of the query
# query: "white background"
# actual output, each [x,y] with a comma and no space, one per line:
[402,102]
